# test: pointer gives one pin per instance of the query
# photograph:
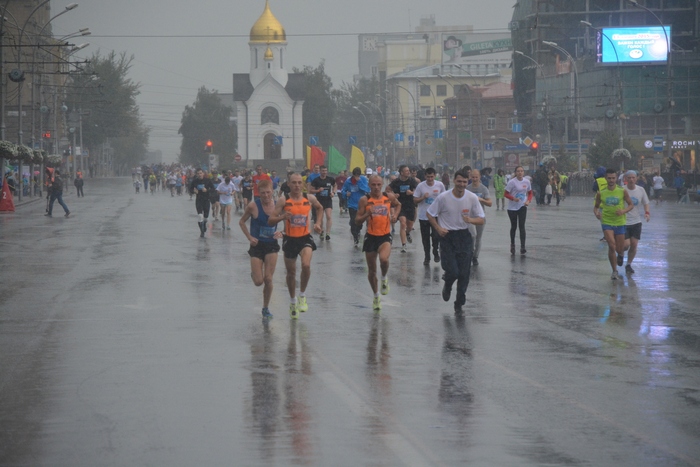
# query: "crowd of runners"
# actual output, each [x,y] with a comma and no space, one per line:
[449,211]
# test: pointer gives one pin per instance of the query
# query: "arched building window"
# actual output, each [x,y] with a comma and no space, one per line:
[270,115]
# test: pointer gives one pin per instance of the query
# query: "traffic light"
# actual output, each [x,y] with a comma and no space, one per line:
[209,146]
[534,148]
[47,135]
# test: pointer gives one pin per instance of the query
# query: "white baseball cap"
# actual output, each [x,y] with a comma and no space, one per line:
[368,171]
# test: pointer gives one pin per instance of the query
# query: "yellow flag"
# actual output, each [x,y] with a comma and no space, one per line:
[308,156]
[357,159]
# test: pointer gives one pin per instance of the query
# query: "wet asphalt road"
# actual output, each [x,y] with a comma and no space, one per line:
[125,339]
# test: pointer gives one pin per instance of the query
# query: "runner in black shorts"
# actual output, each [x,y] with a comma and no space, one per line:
[292,246]
[323,187]
[403,187]
[201,187]
[263,241]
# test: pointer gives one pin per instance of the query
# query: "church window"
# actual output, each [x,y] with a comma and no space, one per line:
[281,58]
[256,58]
[269,115]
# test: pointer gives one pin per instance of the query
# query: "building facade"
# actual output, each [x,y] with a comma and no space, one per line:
[268,101]
[559,79]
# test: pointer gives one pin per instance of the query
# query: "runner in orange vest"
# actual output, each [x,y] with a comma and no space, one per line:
[380,210]
[295,210]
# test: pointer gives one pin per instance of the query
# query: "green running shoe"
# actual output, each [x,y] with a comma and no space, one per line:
[385,287]
[377,304]
[301,304]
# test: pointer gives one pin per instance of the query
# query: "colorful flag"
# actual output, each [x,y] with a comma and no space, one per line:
[308,157]
[357,159]
[336,161]
[317,157]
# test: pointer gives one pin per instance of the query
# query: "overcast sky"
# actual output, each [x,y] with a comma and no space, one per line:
[179,45]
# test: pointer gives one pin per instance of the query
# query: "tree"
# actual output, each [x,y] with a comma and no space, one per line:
[208,119]
[105,92]
[348,121]
[601,151]
[319,109]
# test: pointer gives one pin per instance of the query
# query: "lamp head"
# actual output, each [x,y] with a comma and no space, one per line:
[586,23]
[71,6]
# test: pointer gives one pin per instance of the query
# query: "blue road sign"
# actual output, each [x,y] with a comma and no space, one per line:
[438,134]
[277,140]
[352,140]
[411,138]
[438,153]
[658,143]
[398,137]
[488,147]
[313,140]
[517,127]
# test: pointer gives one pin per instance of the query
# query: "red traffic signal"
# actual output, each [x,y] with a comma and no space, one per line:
[47,135]
[209,146]
[535,146]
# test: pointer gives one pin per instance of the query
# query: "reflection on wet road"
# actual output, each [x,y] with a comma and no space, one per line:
[125,339]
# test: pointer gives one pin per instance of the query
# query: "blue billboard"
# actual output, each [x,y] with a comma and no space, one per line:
[630,45]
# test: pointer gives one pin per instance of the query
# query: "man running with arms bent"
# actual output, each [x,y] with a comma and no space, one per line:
[380,211]
[613,218]
[295,210]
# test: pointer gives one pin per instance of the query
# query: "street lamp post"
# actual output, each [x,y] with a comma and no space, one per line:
[374,125]
[68,8]
[415,119]
[363,116]
[383,129]
[546,102]
[619,78]
[577,104]
[669,79]
[434,106]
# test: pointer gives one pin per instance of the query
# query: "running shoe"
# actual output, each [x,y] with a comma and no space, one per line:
[228,227]
[629,270]
[328,238]
[357,242]
[614,276]
[408,238]
[377,304]
[446,292]
[620,260]
[436,256]
[426,262]
[458,309]
[523,251]
[293,313]
[68,214]
[385,286]
[512,249]
[266,313]
[475,261]
[301,304]
[321,237]
[403,248]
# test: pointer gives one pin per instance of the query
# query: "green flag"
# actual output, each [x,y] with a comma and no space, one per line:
[336,162]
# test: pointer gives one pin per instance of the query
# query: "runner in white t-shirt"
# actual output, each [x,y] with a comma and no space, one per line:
[453,215]
[633,231]
[225,190]
[658,184]
[425,194]
[519,194]
[237,179]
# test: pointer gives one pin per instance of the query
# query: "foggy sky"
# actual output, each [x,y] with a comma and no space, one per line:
[175,63]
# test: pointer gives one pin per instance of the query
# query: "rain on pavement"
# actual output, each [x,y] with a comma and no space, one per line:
[125,339]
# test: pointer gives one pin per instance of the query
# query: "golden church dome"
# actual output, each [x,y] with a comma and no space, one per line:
[268,54]
[267,28]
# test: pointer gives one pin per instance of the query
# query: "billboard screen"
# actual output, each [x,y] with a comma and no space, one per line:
[459,48]
[629,45]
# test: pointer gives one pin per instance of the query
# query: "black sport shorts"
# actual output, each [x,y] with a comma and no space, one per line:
[409,212]
[634,231]
[263,249]
[292,246]
[373,242]
[326,202]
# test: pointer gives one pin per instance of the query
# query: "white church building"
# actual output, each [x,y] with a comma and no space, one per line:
[268,101]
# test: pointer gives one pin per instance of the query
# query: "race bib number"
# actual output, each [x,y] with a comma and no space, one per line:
[612,201]
[429,201]
[520,197]
[298,220]
[404,188]
[635,201]
[380,210]
[323,193]
[200,186]
[267,232]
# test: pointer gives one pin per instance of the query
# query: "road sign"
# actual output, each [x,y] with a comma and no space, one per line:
[658,143]
[527,141]
[438,134]
[313,141]
[277,141]
[237,158]
[352,140]
[488,147]
[517,127]
[411,138]
[398,137]
[438,153]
